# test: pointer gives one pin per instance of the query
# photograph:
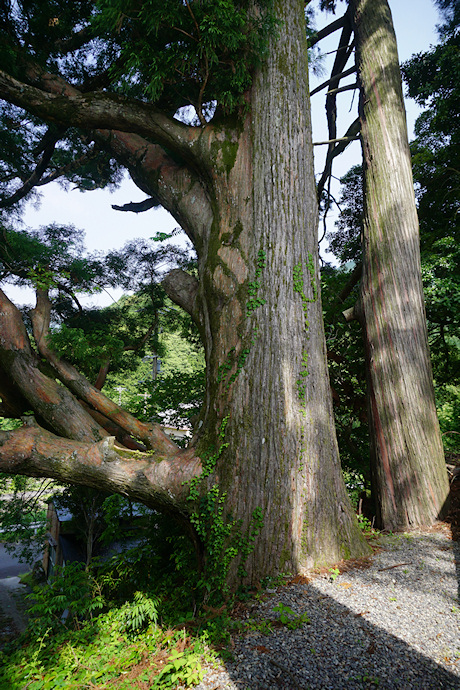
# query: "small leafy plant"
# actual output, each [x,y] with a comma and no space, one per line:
[70,598]
[334,573]
[182,668]
[138,614]
[289,618]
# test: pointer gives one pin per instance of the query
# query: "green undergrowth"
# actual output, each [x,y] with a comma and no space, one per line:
[104,654]
[90,629]
[128,624]
[146,618]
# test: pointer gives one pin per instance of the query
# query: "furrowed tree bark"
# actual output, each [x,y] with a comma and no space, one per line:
[262,320]
[408,469]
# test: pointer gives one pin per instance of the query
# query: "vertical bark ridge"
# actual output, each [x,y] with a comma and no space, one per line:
[282,455]
[408,466]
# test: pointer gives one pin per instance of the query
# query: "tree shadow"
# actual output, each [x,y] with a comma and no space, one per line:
[341,648]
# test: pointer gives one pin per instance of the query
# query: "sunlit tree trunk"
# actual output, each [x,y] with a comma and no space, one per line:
[408,469]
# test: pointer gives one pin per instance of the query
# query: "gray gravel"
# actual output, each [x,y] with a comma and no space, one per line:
[395,624]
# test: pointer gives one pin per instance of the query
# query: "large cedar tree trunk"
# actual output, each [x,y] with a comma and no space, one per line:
[243,190]
[263,328]
[408,469]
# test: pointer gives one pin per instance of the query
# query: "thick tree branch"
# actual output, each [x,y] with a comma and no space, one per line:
[14,405]
[158,483]
[182,288]
[54,403]
[114,430]
[151,435]
[178,187]
[59,102]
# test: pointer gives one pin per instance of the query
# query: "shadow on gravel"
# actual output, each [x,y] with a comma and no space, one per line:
[338,650]
[411,591]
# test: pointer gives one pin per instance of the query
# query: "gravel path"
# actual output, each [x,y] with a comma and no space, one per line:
[394,624]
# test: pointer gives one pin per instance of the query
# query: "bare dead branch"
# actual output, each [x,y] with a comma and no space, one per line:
[137,206]
[341,89]
[327,30]
[335,141]
[343,142]
[333,80]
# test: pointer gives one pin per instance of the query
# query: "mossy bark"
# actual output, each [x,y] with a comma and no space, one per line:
[408,469]
[262,321]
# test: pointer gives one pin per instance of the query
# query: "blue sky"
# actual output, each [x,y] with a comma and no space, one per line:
[414,22]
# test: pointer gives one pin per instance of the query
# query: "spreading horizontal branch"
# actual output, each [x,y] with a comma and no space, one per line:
[57,101]
[158,483]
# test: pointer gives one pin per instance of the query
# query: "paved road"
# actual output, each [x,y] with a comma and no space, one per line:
[10,591]
[10,566]
[10,587]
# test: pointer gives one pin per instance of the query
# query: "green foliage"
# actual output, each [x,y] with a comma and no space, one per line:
[366,526]
[434,83]
[71,597]
[23,513]
[220,535]
[101,653]
[448,405]
[223,541]
[181,668]
[139,613]
[345,240]
[203,51]
[298,287]
[253,287]
[334,573]
[289,618]
[50,257]
[87,351]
